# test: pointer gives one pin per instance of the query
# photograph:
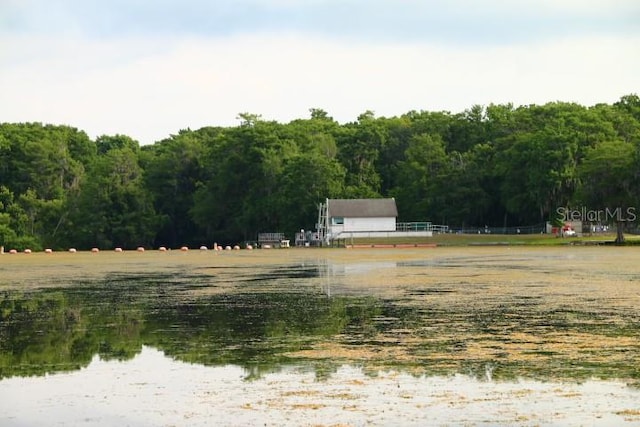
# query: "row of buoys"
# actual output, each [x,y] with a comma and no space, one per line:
[215,247]
[46,251]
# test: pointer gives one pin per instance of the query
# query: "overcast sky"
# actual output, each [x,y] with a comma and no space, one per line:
[148,68]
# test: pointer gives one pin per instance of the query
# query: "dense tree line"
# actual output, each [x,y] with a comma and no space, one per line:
[497,165]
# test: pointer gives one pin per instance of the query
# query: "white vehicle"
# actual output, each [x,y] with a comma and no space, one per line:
[569,232]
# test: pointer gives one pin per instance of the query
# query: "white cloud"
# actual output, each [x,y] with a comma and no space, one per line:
[151,88]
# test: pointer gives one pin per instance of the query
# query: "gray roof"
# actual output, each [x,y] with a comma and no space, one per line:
[362,208]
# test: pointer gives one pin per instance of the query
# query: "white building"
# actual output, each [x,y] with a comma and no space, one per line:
[344,218]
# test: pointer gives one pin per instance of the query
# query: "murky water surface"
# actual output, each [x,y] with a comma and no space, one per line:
[437,336]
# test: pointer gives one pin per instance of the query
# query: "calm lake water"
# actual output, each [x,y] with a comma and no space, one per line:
[429,336]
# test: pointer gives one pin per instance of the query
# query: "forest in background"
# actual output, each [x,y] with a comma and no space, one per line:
[495,165]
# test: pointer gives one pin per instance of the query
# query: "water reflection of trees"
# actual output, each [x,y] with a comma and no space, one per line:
[260,328]
[62,330]
[57,331]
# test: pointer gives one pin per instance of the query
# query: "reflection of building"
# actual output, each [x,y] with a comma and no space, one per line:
[333,273]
